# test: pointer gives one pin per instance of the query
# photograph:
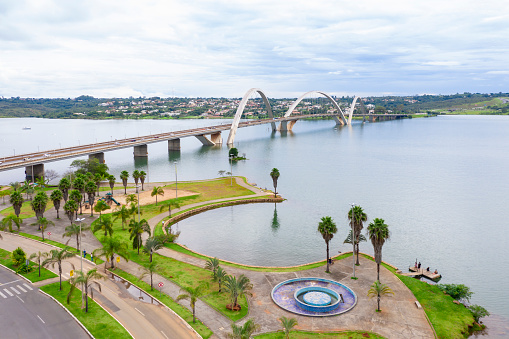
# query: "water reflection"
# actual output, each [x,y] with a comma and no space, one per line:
[275,220]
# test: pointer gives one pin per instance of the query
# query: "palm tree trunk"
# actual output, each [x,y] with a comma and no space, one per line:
[77,243]
[378,271]
[39,268]
[194,318]
[60,275]
[58,216]
[42,233]
[357,251]
[86,298]
[151,288]
[327,270]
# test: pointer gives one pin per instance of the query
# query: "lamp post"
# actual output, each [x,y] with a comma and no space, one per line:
[353,242]
[138,191]
[176,181]
[80,220]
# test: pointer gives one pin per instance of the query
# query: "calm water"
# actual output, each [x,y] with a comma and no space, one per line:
[440,183]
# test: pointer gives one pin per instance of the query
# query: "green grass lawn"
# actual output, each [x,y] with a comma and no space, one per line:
[26,210]
[97,320]
[321,335]
[183,312]
[5,259]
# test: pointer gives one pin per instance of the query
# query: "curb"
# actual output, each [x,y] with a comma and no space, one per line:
[19,275]
[72,315]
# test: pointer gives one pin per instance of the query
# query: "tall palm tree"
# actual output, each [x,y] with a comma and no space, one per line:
[16,199]
[43,223]
[64,185]
[76,196]
[111,181]
[193,294]
[288,324]
[111,246]
[71,208]
[143,176]
[74,230]
[171,203]
[274,175]
[39,256]
[79,184]
[56,197]
[378,233]
[136,177]
[57,257]
[150,269]
[245,331]
[105,224]
[9,220]
[152,244]
[39,204]
[131,199]
[327,229]
[90,188]
[158,190]
[220,276]
[123,213]
[100,207]
[86,280]
[136,229]
[359,217]
[124,175]
[212,264]
[378,290]
[237,288]
[98,177]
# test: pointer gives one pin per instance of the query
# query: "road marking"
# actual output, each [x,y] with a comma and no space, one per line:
[28,286]
[8,292]
[20,299]
[21,288]
[41,320]
[3,295]
[165,335]
[139,311]
[15,290]
[10,282]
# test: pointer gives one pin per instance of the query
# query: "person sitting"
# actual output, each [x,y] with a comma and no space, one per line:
[427,270]
[436,272]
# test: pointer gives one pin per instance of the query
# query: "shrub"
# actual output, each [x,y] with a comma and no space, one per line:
[23,268]
[18,256]
[457,291]
[478,312]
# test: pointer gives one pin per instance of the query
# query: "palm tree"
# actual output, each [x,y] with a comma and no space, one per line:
[358,239]
[288,324]
[136,177]
[131,199]
[79,184]
[98,177]
[275,175]
[71,208]
[15,185]
[152,244]
[359,217]
[143,175]
[100,207]
[40,257]
[43,223]
[86,280]
[105,224]
[39,204]
[212,264]
[136,229]
[74,229]
[16,199]
[9,220]
[245,331]
[378,290]
[90,188]
[111,246]
[124,175]
[171,203]
[378,233]
[150,269]
[56,197]
[111,181]
[57,257]
[237,288]
[157,191]
[123,213]
[220,276]
[76,196]
[192,294]
[327,228]
[64,185]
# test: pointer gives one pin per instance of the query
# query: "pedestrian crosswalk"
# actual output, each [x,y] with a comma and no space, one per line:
[11,291]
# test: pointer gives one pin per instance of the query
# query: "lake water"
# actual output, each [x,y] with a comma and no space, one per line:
[440,183]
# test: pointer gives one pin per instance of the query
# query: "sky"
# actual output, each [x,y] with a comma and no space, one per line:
[122,48]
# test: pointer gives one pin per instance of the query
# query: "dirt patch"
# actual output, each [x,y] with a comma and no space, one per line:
[146,199]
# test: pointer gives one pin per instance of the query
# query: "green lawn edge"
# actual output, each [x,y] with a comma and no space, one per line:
[99,322]
[323,335]
[33,276]
[183,312]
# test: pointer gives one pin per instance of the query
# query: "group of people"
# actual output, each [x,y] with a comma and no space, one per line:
[418,266]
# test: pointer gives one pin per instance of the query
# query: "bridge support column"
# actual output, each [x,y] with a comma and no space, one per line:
[338,121]
[290,124]
[140,151]
[372,119]
[174,145]
[283,126]
[216,138]
[99,156]
[34,172]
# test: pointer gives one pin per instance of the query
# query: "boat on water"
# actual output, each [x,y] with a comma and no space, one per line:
[25,128]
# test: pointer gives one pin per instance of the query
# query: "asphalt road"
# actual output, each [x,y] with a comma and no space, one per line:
[27,313]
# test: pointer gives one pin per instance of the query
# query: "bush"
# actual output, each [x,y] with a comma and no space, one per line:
[457,291]
[478,312]
[18,256]
[233,153]
[23,268]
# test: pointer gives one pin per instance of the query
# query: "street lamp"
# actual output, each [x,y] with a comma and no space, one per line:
[353,241]
[80,220]
[176,181]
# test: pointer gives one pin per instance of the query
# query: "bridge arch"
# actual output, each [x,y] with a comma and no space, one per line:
[343,121]
[240,110]
[352,108]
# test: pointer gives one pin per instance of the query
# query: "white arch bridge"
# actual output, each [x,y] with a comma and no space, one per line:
[209,136]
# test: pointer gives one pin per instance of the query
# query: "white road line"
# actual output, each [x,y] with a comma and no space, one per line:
[15,290]
[3,295]
[28,286]
[20,299]
[41,320]
[21,288]
[139,311]
[8,292]
[165,335]
[10,282]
